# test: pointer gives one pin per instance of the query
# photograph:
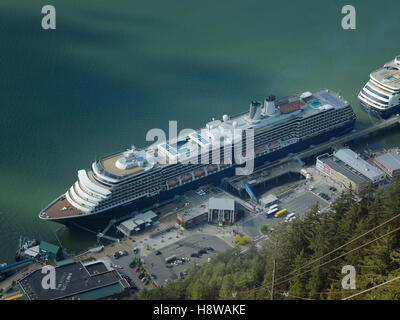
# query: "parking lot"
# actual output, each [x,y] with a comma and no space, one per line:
[156,264]
[122,265]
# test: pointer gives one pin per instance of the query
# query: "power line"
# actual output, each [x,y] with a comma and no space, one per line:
[342,246]
[367,290]
[329,261]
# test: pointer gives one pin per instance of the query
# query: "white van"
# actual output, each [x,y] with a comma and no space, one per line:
[290,217]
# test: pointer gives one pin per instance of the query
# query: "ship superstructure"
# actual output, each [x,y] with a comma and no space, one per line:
[137,178]
[381,95]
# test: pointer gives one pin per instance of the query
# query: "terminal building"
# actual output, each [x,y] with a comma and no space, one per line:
[269,200]
[192,216]
[138,223]
[75,281]
[222,211]
[389,162]
[349,169]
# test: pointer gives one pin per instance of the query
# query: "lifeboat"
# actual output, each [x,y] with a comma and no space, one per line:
[274,144]
[260,149]
[199,172]
[186,177]
[211,168]
[173,182]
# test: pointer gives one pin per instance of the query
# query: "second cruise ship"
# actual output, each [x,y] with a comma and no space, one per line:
[138,178]
[381,95]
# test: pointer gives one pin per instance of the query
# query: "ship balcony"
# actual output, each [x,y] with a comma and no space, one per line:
[87,179]
[85,195]
[77,205]
[81,200]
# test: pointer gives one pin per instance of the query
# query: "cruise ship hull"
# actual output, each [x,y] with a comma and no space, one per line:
[102,218]
[379,113]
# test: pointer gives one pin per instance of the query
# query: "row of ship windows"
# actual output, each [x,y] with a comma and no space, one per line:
[119,200]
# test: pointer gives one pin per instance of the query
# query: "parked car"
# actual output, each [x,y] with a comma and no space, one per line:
[135,250]
[117,255]
[146,282]
[153,276]
[202,251]
[125,253]
[158,252]
[134,286]
[141,276]
[137,269]
[195,255]
[144,279]
[132,264]
[210,249]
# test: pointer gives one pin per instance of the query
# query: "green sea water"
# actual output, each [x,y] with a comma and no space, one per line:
[112,70]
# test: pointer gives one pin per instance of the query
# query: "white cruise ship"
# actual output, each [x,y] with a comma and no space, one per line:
[135,179]
[381,95]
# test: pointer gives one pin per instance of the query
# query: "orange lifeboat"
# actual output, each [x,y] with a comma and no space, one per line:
[211,168]
[186,177]
[260,149]
[199,172]
[173,182]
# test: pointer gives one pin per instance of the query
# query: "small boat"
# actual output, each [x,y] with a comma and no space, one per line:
[19,255]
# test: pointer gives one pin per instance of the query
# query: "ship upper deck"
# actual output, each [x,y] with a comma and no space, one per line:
[389,75]
[131,162]
[109,164]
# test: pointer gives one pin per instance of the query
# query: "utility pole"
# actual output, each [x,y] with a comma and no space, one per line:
[273,280]
[273,273]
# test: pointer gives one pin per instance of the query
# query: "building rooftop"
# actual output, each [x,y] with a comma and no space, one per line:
[48,247]
[221,204]
[353,160]
[139,219]
[72,281]
[390,160]
[269,199]
[344,169]
[192,213]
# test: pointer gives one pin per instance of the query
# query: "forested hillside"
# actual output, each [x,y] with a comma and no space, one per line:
[298,249]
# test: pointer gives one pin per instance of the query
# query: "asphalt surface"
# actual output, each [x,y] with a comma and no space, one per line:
[156,264]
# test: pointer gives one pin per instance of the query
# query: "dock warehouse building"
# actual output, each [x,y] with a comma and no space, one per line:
[269,200]
[222,210]
[192,216]
[50,251]
[389,162]
[75,281]
[347,168]
[138,223]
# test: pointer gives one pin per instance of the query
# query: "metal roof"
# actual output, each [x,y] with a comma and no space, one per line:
[71,280]
[48,247]
[269,199]
[390,160]
[353,160]
[139,219]
[221,204]
[345,170]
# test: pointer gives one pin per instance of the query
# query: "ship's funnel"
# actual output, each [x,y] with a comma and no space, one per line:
[255,111]
[269,105]
[397,60]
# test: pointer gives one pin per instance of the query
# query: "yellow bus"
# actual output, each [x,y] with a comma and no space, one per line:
[279,213]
